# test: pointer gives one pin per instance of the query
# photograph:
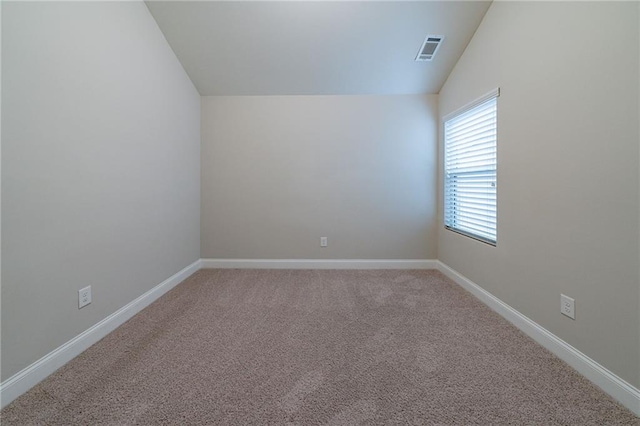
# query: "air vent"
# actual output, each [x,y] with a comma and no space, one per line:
[429,48]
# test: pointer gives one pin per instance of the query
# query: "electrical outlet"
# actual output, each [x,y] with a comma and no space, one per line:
[84,297]
[568,306]
[323,241]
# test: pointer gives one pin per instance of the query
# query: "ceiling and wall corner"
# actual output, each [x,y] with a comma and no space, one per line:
[316,48]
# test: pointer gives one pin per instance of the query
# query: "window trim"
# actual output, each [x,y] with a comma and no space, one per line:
[482,99]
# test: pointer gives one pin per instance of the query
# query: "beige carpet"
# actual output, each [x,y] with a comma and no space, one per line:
[316,347]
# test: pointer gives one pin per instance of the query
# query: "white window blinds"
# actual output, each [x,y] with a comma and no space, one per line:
[470,193]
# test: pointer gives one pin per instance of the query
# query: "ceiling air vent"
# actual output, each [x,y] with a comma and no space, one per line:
[429,48]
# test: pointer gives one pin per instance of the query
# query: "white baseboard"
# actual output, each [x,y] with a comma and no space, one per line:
[24,380]
[319,264]
[619,389]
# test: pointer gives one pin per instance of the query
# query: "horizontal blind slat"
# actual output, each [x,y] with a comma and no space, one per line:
[478,113]
[466,137]
[475,217]
[478,228]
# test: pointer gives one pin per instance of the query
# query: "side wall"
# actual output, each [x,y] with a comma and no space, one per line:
[568,184]
[100,168]
[279,172]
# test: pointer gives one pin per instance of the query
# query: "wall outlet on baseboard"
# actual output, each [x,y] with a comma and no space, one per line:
[567,306]
[84,297]
[323,241]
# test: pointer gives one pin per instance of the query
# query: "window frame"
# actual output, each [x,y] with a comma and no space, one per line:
[494,94]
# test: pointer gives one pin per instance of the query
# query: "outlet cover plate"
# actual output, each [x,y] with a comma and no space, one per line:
[568,306]
[84,297]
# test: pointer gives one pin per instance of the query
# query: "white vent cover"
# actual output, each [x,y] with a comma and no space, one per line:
[429,47]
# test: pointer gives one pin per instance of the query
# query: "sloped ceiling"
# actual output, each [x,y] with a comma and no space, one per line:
[315,48]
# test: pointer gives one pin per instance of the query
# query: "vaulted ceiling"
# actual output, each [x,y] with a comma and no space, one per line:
[316,47]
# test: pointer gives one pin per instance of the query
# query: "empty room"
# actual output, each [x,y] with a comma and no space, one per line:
[320,212]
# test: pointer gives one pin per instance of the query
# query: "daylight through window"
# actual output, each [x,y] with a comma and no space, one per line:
[470,193]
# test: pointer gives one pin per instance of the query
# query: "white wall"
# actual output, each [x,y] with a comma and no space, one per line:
[100,168]
[279,172]
[568,183]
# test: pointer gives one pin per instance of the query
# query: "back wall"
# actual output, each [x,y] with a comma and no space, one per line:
[279,172]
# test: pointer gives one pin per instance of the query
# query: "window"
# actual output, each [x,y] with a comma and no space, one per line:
[470,167]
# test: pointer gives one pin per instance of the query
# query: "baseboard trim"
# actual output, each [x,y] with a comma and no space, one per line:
[618,388]
[25,379]
[319,264]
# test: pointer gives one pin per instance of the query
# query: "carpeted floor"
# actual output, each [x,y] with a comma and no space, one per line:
[316,347]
